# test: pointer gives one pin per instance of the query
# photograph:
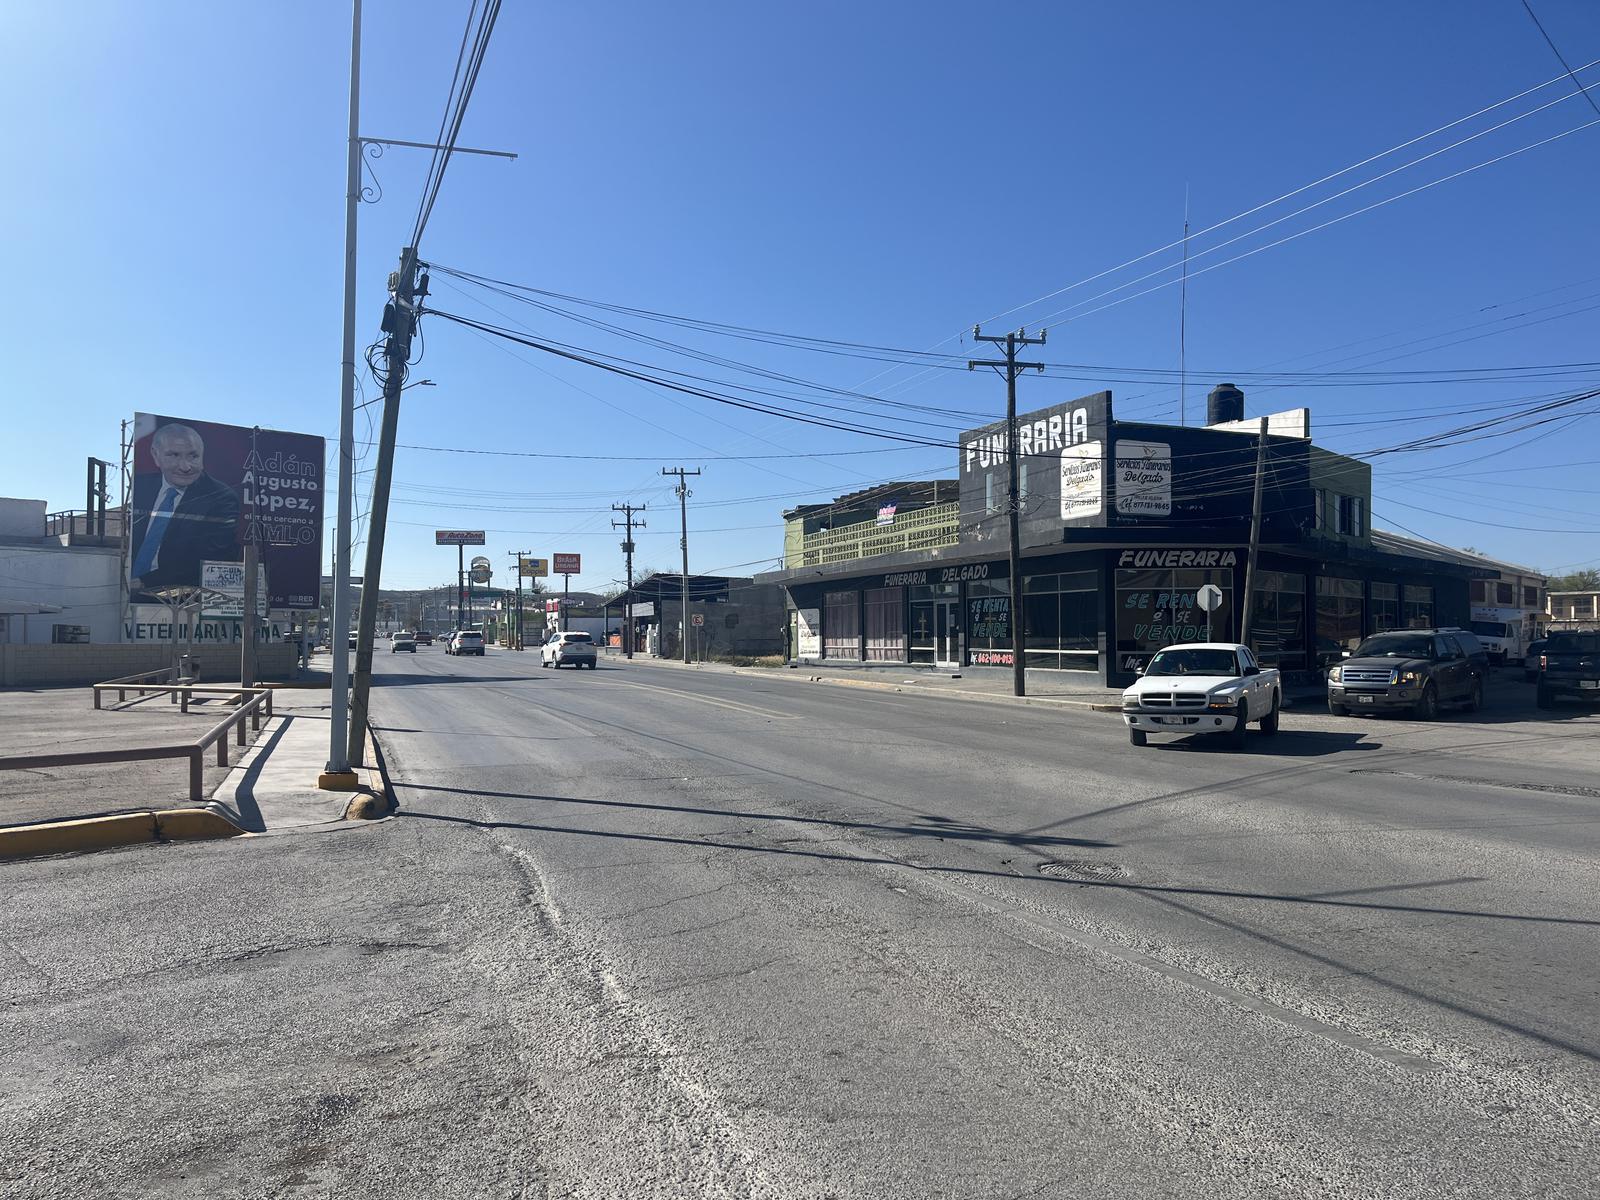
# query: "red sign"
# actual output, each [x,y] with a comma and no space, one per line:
[567,564]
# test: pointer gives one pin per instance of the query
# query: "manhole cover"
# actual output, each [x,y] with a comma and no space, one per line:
[1074,868]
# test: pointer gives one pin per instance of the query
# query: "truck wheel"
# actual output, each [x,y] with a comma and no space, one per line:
[1269,723]
[1544,699]
[1337,709]
[1137,737]
[1427,706]
[1236,737]
[1475,700]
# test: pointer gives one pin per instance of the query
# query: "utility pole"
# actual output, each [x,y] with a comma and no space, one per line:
[683,542]
[516,634]
[628,522]
[399,322]
[1255,536]
[1010,368]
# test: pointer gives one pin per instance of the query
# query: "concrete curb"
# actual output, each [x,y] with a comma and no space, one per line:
[949,693]
[123,829]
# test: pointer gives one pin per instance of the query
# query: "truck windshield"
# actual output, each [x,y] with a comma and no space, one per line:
[1194,662]
[1396,645]
[1573,643]
[1494,629]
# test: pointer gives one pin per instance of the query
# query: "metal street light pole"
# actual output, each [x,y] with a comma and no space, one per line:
[338,773]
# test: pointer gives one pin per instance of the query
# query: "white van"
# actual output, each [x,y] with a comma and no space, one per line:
[1502,633]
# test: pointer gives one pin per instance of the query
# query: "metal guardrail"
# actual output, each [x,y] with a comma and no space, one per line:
[257,708]
[124,684]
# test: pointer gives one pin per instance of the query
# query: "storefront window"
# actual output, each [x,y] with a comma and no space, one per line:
[1384,611]
[1061,620]
[886,630]
[989,622]
[1338,618]
[1417,612]
[1156,608]
[1278,620]
[841,625]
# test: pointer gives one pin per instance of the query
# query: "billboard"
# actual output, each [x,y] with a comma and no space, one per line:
[458,537]
[1060,473]
[534,568]
[568,564]
[201,489]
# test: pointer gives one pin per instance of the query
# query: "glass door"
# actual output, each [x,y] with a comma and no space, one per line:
[947,630]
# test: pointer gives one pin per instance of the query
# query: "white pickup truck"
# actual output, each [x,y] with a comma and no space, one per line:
[1203,687]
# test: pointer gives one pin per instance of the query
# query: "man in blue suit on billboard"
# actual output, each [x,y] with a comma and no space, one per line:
[182,516]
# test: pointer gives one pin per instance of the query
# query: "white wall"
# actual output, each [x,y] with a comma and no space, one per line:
[21,518]
[85,581]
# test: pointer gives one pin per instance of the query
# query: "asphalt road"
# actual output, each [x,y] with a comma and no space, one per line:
[642,931]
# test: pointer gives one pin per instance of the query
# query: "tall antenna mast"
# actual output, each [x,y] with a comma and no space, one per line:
[1183,317]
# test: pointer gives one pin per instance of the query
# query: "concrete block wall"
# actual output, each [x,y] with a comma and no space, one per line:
[34,666]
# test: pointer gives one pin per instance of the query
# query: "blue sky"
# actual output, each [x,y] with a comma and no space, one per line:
[885,173]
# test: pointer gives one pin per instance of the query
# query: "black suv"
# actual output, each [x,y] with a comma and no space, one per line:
[1569,666]
[1412,669]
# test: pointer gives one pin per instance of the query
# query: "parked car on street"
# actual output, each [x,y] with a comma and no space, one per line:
[1416,670]
[573,648]
[402,641]
[1206,687]
[1569,668]
[465,641]
[1502,632]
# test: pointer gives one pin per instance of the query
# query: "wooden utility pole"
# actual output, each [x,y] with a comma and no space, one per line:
[628,522]
[1010,368]
[399,322]
[683,494]
[1255,536]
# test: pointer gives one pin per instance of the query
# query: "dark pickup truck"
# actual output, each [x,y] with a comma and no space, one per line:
[1569,667]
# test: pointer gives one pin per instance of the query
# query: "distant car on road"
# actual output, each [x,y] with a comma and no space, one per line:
[1412,669]
[424,638]
[573,648]
[1569,668]
[1205,687]
[402,641]
[465,641]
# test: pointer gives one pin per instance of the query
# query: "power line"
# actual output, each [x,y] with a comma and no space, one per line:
[1559,58]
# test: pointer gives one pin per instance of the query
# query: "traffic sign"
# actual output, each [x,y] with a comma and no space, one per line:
[1209,597]
[568,564]
[697,619]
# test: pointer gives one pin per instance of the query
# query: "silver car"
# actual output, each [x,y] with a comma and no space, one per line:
[571,649]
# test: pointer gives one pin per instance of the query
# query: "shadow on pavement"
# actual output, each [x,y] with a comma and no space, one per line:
[1283,744]
[941,828]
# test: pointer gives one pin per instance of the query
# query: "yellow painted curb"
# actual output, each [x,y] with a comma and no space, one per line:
[194,824]
[338,781]
[374,800]
[123,829]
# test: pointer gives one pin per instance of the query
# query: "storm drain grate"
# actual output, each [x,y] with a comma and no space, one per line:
[1080,868]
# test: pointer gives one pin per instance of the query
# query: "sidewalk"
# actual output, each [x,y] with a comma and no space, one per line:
[271,784]
[1057,689]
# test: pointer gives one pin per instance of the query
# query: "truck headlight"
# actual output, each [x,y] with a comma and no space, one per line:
[1130,703]
[1336,675]
[1408,677]
[1224,701]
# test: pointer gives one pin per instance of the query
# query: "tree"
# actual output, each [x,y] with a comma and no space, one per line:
[1587,580]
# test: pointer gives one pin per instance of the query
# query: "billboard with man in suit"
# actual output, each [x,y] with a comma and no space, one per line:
[201,489]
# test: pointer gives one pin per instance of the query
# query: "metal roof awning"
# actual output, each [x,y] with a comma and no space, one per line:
[26,608]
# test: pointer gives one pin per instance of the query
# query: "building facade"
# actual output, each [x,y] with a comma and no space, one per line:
[1122,523]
